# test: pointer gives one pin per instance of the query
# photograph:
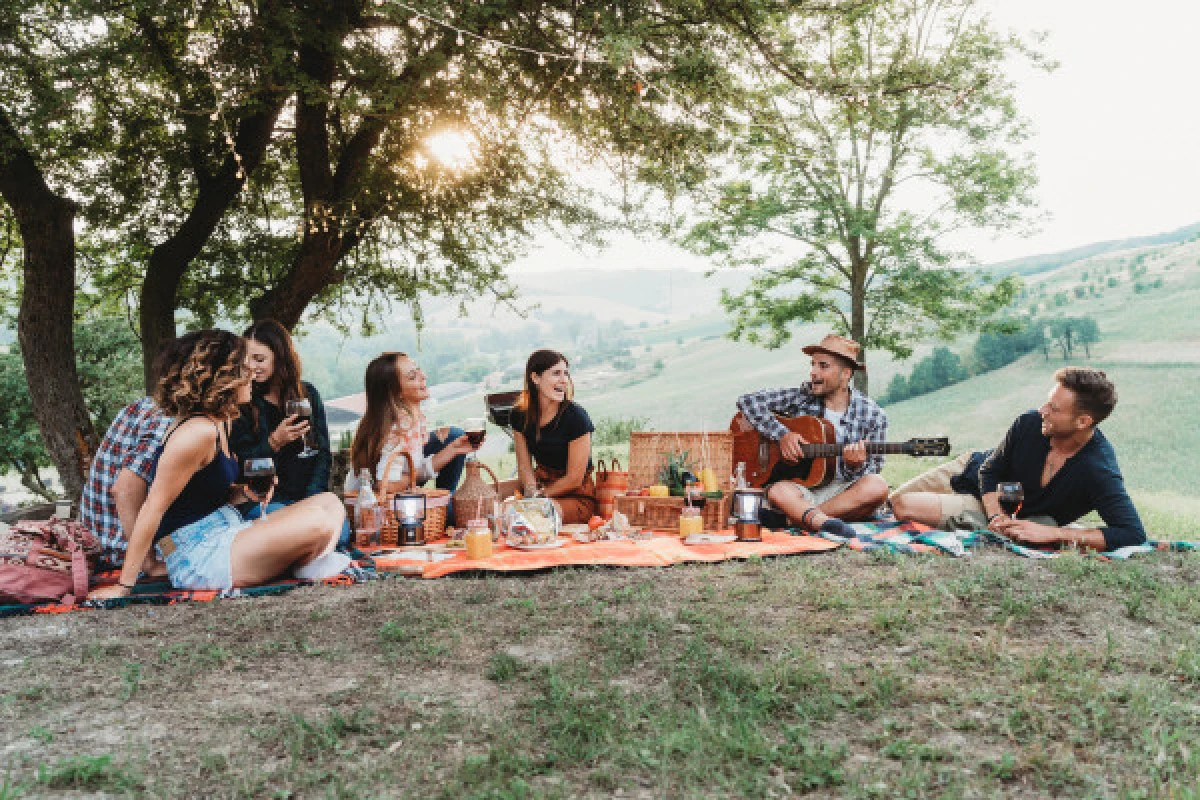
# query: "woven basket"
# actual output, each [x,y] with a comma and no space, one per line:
[648,451]
[610,483]
[437,502]
[662,513]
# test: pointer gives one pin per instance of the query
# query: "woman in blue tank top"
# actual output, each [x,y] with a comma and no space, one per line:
[189,516]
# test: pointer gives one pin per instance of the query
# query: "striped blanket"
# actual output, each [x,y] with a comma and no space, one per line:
[912,538]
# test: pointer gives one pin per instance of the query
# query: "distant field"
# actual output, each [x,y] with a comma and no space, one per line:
[1150,345]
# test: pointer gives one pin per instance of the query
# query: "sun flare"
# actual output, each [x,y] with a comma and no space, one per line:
[452,149]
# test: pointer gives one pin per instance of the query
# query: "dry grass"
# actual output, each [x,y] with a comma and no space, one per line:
[844,675]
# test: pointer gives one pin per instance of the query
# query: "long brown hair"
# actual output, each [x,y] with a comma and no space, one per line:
[385,405]
[202,374]
[540,361]
[286,376]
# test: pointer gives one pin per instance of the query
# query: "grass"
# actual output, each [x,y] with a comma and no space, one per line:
[848,675]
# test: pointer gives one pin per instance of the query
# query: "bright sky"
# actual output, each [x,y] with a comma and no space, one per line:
[1116,132]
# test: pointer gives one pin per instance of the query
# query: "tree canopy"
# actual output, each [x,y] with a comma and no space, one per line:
[865,139]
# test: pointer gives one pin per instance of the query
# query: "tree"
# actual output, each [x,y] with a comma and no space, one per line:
[870,136]
[109,370]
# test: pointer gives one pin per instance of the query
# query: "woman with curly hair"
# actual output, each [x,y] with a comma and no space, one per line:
[188,516]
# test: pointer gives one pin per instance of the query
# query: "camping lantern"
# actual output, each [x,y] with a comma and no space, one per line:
[409,510]
[747,505]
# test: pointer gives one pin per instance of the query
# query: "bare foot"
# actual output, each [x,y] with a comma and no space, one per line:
[153,568]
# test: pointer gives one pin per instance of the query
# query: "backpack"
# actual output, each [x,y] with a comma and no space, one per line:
[46,561]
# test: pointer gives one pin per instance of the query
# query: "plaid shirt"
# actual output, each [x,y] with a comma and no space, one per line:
[131,443]
[863,420]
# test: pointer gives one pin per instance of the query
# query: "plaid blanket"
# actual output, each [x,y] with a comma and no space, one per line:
[912,538]
[157,591]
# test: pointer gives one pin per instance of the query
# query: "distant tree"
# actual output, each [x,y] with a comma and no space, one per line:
[897,389]
[843,110]
[1087,333]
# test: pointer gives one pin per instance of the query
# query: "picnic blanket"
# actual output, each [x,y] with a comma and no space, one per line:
[157,591]
[662,550]
[912,538]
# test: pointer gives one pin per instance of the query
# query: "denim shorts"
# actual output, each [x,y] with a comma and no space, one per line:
[202,555]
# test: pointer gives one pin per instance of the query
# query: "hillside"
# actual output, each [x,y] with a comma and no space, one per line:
[1150,345]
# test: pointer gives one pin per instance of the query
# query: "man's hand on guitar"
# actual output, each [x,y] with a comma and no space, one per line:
[790,446]
[855,455]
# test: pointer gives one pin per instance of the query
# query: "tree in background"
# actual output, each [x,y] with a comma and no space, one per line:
[870,135]
[110,375]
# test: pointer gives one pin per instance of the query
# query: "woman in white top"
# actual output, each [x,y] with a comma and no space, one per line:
[395,389]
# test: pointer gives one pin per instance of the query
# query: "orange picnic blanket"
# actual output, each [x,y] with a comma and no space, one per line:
[662,550]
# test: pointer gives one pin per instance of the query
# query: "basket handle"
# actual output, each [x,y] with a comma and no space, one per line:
[616,465]
[495,480]
[602,468]
[387,474]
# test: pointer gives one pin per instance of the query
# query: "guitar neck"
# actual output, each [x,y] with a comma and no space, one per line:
[873,448]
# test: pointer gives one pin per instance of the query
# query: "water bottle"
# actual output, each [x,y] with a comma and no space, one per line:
[366,513]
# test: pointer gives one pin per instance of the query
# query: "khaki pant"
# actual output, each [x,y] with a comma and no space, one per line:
[574,508]
[957,510]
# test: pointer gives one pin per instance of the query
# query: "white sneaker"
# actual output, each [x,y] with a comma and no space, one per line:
[327,566]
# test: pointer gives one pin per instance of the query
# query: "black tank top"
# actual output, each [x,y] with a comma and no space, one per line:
[205,492]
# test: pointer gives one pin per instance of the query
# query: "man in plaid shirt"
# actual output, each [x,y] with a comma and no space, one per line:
[120,477]
[858,489]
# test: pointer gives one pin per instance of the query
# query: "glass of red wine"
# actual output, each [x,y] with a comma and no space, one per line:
[476,430]
[303,410]
[259,475]
[1010,495]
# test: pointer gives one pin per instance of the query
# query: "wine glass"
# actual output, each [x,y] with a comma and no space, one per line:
[303,409]
[1011,496]
[259,474]
[476,430]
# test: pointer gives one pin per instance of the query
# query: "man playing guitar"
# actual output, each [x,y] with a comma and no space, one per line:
[857,489]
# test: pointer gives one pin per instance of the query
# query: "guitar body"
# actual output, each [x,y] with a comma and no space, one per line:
[764,461]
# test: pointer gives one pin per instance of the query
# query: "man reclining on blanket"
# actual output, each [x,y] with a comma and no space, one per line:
[1064,463]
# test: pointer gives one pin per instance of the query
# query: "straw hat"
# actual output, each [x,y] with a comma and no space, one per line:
[839,346]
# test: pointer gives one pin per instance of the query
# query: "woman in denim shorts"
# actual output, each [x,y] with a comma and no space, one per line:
[189,514]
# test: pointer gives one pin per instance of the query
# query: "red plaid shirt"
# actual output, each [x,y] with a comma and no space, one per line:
[131,443]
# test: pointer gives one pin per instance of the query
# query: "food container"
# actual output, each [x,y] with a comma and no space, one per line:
[691,520]
[530,520]
[478,539]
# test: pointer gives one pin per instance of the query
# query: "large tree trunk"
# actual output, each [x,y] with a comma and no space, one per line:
[171,259]
[46,319]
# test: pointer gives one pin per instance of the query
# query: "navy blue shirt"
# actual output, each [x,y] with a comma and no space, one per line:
[549,448]
[1088,481]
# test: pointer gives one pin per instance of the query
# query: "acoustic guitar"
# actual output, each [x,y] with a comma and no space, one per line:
[765,463]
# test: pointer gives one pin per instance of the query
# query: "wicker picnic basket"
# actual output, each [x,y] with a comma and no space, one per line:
[610,484]
[662,513]
[437,502]
[648,451]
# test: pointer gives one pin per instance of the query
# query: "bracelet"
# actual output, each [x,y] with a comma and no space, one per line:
[124,585]
[993,517]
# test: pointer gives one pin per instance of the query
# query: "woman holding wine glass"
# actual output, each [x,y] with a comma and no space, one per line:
[396,388]
[189,516]
[553,437]
[285,419]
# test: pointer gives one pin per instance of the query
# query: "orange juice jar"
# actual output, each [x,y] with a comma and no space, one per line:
[690,521]
[478,539]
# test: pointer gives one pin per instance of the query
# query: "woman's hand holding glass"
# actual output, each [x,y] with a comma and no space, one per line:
[290,428]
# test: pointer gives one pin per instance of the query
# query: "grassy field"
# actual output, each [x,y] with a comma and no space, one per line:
[841,675]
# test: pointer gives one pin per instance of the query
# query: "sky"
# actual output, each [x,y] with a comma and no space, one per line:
[1116,133]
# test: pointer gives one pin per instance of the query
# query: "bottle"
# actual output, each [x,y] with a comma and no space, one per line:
[739,476]
[366,512]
